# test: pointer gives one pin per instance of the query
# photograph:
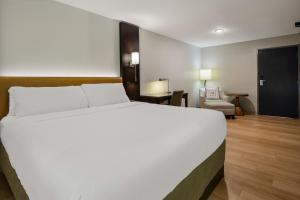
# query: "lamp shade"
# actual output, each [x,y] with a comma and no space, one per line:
[205,74]
[135,58]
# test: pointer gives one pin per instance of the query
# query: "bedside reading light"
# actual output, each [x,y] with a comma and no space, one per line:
[205,75]
[135,60]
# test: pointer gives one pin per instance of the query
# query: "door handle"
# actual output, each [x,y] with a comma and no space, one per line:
[261,82]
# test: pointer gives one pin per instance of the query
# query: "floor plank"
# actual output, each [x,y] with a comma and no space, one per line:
[262,161]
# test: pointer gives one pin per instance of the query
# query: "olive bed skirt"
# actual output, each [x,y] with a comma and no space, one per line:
[198,185]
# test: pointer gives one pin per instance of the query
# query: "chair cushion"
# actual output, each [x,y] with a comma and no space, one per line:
[218,104]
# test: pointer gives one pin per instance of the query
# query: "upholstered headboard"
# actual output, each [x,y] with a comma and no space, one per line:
[7,82]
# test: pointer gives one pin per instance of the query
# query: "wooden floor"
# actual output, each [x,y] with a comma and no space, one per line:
[262,161]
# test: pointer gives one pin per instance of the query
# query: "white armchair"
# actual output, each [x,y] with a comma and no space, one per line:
[221,104]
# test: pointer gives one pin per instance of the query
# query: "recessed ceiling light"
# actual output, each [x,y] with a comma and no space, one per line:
[219,30]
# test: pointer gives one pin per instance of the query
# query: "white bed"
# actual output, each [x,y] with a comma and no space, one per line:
[88,154]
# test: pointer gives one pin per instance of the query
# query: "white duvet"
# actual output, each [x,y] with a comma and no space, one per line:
[128,151]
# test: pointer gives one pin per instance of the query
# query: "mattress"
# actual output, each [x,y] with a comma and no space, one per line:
[123,151]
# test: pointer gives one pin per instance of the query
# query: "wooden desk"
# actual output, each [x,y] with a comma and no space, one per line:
[162,97]
[238,109]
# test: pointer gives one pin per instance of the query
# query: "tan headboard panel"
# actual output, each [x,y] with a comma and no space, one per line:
[7,82]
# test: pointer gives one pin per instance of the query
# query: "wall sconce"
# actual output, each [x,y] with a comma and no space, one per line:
[135,60]
[205,75]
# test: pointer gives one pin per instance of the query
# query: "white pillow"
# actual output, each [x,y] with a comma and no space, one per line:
[212,93]
[105,94]
[38,100]
[11,104]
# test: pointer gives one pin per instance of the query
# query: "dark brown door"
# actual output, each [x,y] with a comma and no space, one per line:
[277,82]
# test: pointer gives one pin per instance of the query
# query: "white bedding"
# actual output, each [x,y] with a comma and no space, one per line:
[128,151]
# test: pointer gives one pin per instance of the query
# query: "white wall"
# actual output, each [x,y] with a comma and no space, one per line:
[47,38]
[163,57]
[235,65]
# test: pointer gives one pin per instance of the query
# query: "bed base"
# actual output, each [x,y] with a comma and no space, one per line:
[213,184]
[198,185]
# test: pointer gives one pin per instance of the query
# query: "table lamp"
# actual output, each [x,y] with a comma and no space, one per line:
[205,75]
[165,79]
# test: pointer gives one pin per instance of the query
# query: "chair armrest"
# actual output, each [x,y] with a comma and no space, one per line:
[226,98]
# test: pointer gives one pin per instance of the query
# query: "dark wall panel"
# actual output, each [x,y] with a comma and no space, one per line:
[129,42]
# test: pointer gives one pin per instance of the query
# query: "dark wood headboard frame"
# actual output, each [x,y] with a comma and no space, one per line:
[7,82]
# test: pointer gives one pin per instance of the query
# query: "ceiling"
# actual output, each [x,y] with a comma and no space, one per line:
[194,21]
